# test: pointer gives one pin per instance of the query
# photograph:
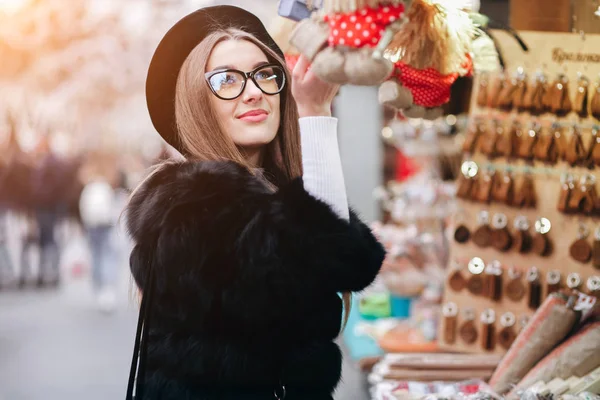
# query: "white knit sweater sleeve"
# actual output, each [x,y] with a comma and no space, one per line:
[323,176]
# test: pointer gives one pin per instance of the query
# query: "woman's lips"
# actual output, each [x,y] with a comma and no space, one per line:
[254,116]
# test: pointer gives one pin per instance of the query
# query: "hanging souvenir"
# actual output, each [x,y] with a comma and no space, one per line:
[500,237]
[507,334]
[482,236]
[488,331]
[581,250]
[535,288]
[552,282]
[456,280]
[468,330]
[595,103]
[346,42]
[567,188]
[542,245]
[561,102]
[545,148]
[528,142]
[594,150]
[526,196]
[522,239]
[450,312]
[430,54]
[503,189]
[534,96]
[483,92]
[485,183]
[575,153]
[467,179]
[475,283]
[509,143]
[581,98]
[515,289]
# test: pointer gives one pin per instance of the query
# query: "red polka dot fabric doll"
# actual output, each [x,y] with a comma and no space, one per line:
[430,52]
[346,39]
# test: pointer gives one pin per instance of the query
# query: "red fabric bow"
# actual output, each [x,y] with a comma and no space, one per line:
[363,27]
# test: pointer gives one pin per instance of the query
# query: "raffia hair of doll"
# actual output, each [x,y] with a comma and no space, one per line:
[434,37]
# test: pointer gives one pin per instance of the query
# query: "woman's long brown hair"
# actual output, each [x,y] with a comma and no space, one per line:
[203,137]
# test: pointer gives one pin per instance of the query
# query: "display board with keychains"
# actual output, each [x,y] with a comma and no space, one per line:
[529,214]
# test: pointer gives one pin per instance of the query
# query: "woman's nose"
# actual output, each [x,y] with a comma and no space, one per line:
[251,92]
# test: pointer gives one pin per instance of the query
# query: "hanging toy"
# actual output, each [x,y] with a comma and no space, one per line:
[346,39]
[430,52]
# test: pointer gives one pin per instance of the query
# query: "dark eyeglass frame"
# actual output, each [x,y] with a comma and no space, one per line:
[246,75]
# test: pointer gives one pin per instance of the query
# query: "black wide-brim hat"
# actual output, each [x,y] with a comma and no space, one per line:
[174,49]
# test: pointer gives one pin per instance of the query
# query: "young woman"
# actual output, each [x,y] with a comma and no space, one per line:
[242,249]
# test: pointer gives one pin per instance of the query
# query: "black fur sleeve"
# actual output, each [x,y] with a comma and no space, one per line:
[217,223]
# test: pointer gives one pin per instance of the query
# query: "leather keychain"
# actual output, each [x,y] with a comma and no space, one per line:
[515,289]
[456,280]
[594,150]
[482,236]
[526,197]
[483,92]
[542,245]
[507,335]
[561,142]
[483,194]
[466,180]
[528,142]
[506,96]
[450,313]
[581,250]
[575,153]
[493,281]
[468,330]
[561,102]
[581,98]
[519,95]
[462,234]
[566,190]
[500,235]
[503,189]
[584,198]
[535,288]
[595,103]
[545,148]
[574,281]
[522,238]
[552,282]
[476,284]
[489,140]
[472,138]
[508,144]
[537,97]
[596,249]
[593,285]
[488,329]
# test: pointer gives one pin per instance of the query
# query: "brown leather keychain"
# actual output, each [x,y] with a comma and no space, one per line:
[472,137]
[534,98]
[476,284]
[535,288]
[528,142]
[574,281]
[526,196]
[552,282]
[507,334]
[467,179]
[493,281]
[515,289]
[595,102]
[583,198]
[468,330]
[483,194]
[567,188]
[575,153]
[508,144]
[581,250]
[561,142]
[483,92]
[503,190]
[482,237]
[506,96]
[519,96]
[522,239]
[500,235]
[488,329]
[596,249]
[580,105]
[462,234]
[594,150]
[542,245]
[450,313]
[561,102]
[456,280]
[545,148]
[593,286]
[489,140]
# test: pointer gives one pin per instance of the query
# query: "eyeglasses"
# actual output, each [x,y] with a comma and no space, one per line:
[229,84]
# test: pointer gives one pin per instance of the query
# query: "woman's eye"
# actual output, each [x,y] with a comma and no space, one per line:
[264,75]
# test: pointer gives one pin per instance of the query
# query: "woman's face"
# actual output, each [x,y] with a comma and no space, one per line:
[252,119]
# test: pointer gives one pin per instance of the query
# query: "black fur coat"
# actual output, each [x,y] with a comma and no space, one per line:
[247,283]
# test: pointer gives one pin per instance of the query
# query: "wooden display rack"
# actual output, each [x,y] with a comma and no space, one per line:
[552,53]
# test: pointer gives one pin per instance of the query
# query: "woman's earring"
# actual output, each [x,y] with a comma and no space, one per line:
[483,235]
[475,284]
[507,335]
[581,250]
[515,289]
[468,330]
